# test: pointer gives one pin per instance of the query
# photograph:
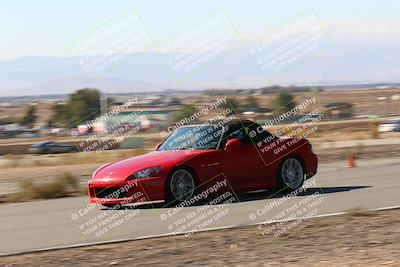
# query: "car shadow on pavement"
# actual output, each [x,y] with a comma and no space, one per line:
[269,194]
[260,195]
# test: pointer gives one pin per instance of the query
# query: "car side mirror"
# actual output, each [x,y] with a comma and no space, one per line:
[232,144]
[158,146]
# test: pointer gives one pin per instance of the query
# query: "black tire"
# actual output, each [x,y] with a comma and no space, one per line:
[173,199]
[291,174]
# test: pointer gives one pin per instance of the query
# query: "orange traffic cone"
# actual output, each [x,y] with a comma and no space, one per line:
[350,161]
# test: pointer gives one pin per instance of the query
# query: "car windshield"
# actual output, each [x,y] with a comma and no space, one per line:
[194,137]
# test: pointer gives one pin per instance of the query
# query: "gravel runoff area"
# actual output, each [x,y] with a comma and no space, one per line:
[359,238]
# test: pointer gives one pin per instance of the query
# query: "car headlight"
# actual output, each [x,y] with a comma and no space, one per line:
[145,173]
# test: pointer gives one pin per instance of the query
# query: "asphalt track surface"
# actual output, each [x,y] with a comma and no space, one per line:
[49,224]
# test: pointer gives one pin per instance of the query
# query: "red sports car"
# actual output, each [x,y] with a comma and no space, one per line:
[249,157]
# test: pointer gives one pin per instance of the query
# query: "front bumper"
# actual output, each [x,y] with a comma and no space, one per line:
[125,192]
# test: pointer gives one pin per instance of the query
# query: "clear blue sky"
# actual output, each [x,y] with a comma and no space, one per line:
[45,27]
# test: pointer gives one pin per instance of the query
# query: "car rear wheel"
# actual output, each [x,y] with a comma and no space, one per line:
[181,186]
[291,174]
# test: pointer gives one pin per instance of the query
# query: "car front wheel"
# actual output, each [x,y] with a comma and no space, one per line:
[181,186]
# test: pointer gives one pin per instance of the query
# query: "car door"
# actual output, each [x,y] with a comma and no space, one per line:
[63,148]
[208,165]
[244,167]
[49,148]
[56,148]
[271,150]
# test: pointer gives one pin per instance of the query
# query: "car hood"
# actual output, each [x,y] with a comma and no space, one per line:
[122,169]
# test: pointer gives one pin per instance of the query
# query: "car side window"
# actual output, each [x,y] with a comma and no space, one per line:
[242,135]
[237,132]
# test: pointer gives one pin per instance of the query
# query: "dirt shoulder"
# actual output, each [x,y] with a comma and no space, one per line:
[356,239]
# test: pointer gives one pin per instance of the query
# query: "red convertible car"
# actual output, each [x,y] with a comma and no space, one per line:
[247,155]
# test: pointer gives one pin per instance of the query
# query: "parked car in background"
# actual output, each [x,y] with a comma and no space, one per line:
[389,126]
[51,147]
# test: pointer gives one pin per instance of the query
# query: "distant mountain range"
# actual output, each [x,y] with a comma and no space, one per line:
[146,72]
